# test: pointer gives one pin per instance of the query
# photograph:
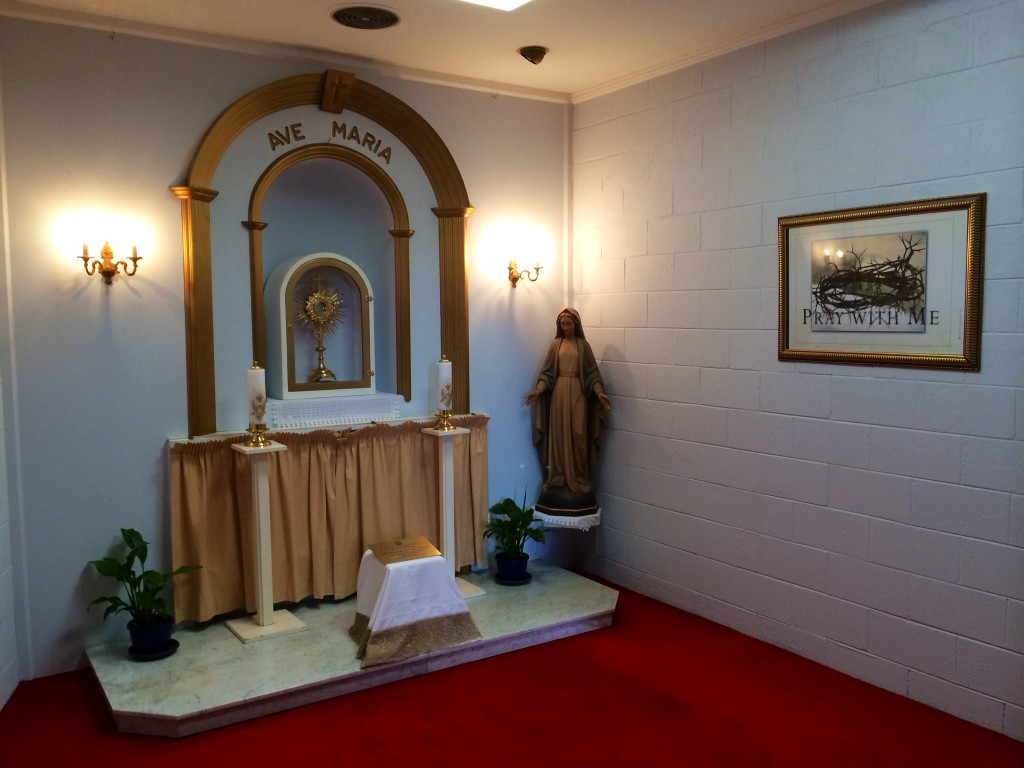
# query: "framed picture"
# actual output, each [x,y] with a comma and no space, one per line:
[896,285]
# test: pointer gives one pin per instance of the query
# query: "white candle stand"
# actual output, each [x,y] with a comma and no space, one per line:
[446,501]
[267,622]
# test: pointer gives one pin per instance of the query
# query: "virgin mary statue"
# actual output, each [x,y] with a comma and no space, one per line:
[568,400]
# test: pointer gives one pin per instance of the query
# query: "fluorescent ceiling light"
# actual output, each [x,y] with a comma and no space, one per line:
[501,5]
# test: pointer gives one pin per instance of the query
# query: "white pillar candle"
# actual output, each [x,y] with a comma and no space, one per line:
[256,381]
[444,385]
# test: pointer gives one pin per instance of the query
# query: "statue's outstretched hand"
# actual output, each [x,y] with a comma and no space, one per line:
[605,402]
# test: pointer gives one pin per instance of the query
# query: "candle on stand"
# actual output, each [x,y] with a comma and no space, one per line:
[257,395]
[85,250]
[444,384]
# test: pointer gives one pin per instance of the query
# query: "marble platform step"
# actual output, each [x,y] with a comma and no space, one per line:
[215,680]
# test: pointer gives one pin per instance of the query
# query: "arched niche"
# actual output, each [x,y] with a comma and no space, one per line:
[399,231]
[334,92]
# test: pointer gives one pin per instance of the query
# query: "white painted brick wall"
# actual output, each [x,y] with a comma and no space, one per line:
[912,644]
[700,424]
[802,394]
[965,409]
[957,509]
[1016,537]
[755,350]
[827,616]
[793,563]
[707,349]
[994,464]
[649,273]
[968,612]
[833,530]
[676,383]
[875,494]
[1015,625]
[729,388]
[993,671]
[730,309]
[761,432]
[834,442]
[993,568]
[865,666]
[907,548]
[671,310]
[962,702]
[868,518]
[911,453]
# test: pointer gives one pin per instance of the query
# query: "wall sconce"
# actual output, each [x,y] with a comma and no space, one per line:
[106,265]
[515,274]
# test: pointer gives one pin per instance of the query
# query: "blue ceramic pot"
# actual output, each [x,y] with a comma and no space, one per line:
[511,570]
[149,643]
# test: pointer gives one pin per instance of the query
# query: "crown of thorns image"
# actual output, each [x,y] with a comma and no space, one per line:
[895,283]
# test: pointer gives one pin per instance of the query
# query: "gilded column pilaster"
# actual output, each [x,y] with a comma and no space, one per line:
[451,232]
[259,346]
[198,287]
[403,348]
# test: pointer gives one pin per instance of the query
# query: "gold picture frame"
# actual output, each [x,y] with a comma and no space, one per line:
[892,285]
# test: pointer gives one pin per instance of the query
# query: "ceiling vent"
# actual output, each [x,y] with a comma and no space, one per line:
[365,17]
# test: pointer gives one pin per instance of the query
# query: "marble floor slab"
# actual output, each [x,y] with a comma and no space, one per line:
[215,680]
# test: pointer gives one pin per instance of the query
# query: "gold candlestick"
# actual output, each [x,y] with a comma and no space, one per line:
[444,421]
[257,436]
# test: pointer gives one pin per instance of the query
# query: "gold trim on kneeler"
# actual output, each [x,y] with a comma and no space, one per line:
[408,640]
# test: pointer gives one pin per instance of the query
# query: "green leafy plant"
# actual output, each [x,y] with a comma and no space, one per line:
[144,588]
[513,527]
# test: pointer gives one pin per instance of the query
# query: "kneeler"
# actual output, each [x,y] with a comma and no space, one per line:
[407,603]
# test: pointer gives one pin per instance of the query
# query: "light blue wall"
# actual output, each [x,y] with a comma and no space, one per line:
[10,673]
[110,121]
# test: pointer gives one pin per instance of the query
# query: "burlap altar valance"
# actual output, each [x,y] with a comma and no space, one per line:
[331,495]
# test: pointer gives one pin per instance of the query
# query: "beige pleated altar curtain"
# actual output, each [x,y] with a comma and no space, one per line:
[331,495]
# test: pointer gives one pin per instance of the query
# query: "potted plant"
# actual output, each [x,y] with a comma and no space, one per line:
[151,623]
[511,525]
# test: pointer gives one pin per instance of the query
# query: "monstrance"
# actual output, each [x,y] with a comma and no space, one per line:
[320,311]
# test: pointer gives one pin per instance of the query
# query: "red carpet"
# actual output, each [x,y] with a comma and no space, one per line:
[659,688]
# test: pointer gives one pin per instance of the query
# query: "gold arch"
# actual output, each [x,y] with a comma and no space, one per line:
[400,234]
[334,92]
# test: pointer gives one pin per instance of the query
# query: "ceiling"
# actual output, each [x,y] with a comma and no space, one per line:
[596,46]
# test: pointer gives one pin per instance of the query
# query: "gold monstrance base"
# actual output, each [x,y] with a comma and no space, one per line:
[321,373]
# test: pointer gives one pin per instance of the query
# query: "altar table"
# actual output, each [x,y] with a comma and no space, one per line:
[407,608]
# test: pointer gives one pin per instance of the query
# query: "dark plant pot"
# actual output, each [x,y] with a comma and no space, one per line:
[512,570]
[152,643]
